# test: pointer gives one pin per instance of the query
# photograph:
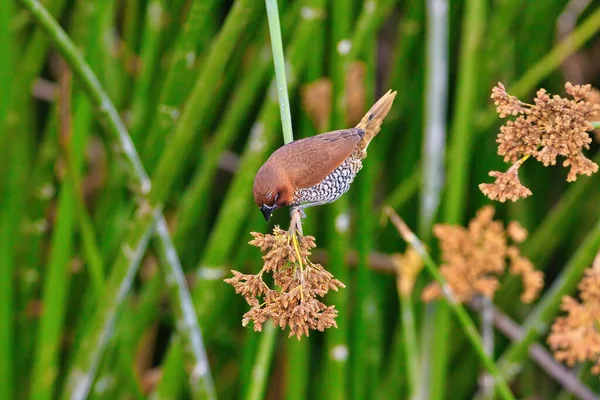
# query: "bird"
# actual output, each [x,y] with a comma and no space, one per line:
[319,169]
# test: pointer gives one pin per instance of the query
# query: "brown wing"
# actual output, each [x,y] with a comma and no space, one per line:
[309,160]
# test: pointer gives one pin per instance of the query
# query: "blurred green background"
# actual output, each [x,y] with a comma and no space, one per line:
[127,180]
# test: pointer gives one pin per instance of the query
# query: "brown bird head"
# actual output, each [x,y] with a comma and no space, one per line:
[272,189]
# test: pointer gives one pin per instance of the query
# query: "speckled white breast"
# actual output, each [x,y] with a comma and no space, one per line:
[333,186]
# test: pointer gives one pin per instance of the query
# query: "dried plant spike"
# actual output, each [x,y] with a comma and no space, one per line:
[408,266]
[507,186]
[552,127]
[474,258]
[300,284]
[575,338]
[506,104]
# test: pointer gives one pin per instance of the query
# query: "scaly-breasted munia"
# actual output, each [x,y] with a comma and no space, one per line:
[319,169]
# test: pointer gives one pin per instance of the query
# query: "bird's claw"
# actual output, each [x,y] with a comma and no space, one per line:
[301,211]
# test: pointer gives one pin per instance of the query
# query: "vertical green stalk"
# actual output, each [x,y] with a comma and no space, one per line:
[6,57]
[411,346]
[11,208]
[435,337]
[56,284]
[193,40]
[278,60]
[131,24]
[8,202]
[466,101]
[338,222]
[261,367]
[149,54]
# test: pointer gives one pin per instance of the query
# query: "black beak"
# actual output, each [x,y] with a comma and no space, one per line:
[267,211]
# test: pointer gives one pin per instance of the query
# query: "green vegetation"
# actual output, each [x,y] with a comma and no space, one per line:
[130,133]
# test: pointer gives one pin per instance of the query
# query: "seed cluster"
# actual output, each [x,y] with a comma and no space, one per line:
[575,337]
[300,283]
[551,127]
[475,257]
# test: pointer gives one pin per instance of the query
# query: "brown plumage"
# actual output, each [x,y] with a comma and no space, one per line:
[319,169]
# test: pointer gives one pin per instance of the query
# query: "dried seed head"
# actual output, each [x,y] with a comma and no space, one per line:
[576,337]
[300,282]
[506,104]
[553,126]
[507,186]
[475,257]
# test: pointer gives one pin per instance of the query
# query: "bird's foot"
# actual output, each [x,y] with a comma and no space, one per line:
[296,216]
[299,210]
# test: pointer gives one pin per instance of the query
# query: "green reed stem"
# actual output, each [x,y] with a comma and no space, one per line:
[29,67]
[337,341]
[460,146]
[279,62]
[411,346]
[11,208]
[540,318]
[261,367]
[7,203]
[6,57]
[193,40]
[58,278]
[149,54]
[457,309]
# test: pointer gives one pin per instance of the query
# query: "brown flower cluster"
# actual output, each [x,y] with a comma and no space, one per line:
[300,283]
[576,336]
[553,126]
[475,257]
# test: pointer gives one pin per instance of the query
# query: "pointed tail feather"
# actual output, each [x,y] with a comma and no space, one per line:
[371,122]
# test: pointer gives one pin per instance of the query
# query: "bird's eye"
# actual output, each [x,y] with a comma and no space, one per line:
[276,197]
